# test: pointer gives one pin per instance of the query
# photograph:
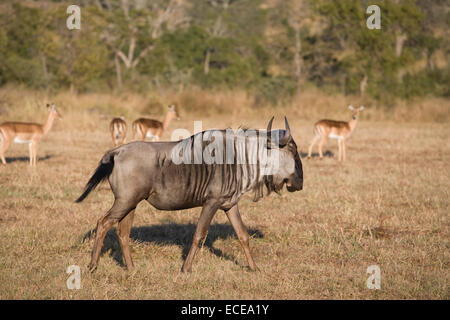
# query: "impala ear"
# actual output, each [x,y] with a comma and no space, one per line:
[361,108]
[351,107]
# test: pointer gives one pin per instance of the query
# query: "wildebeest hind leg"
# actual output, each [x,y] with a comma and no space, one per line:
[238,226]
[118,211]
[123,233]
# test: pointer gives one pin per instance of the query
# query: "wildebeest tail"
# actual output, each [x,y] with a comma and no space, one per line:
[102,173]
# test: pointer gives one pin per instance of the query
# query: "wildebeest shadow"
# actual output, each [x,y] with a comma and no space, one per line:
[26,159]
[327,153]
[171,234]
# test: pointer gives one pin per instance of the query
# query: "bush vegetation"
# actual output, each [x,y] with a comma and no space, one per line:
[271,49]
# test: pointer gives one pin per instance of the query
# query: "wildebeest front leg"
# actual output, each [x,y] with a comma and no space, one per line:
[238,226]
[118,211]
[123,233]
[206,216]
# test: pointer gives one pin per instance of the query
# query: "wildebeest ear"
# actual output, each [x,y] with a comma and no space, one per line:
[287,134]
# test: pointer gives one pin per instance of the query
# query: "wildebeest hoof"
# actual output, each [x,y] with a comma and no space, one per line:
[254,269]
[92,268]
[186,270]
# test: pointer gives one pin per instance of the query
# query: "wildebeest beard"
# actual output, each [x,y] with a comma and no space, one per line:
[270,186]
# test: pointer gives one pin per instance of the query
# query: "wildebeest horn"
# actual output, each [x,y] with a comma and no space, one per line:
[269,126]
[269,134]
[287,135]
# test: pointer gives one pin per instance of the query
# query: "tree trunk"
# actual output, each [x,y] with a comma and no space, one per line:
[363,85]
[399,41]
[118,71]
[44,69]
[297,60]
[207,59]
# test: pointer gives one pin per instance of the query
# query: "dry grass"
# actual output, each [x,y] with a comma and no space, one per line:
[388,205]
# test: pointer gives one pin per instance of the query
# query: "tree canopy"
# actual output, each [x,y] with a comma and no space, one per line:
[272,48]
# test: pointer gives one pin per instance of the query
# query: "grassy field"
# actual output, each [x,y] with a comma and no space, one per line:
[388,205]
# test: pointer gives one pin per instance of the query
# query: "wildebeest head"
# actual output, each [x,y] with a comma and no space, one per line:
[290,170]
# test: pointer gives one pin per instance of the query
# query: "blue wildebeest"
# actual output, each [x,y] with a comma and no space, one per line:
[194,173]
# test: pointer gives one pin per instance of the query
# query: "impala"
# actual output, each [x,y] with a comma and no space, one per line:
[118,128]
[339,130]
[26,132]
[149,128]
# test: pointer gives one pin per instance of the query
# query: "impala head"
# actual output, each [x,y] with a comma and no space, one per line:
[173,111]
[290,171]
[52,109]
[355,111]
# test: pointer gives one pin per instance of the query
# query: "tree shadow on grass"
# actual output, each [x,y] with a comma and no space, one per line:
[26,159]
[171,234]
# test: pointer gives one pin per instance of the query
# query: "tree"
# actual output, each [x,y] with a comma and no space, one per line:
[369,58]
[130,28]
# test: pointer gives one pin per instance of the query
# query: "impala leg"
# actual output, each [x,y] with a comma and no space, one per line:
[3,147]
[123,233]
[118,211]
[141,133]
[30,148]
[206,216]
[321,143]
[313,142]
[34,151]
[343,150]
[340,149]
[137,133]
[238,226]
